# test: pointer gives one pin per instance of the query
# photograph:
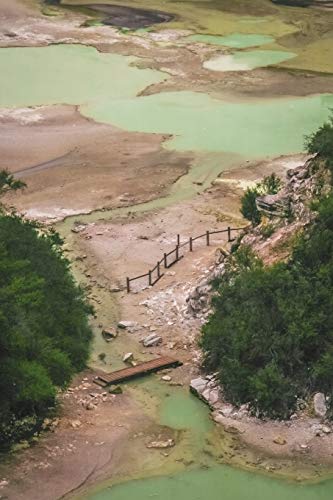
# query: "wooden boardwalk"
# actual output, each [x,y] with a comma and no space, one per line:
[137,371]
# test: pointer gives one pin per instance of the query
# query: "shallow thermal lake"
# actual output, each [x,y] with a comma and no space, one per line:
[105,86]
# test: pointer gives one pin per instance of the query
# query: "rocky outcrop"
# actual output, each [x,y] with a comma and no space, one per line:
[304,183]
[274,205]
[199,299]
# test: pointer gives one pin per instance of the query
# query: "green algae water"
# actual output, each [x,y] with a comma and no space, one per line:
[235,40]
[219,482]
[207,480]
[198,122]
[68,74]
[245,61]
[105,87]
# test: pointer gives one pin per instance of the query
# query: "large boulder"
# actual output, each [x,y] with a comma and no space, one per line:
[319,404]
[274,205]
[198,385]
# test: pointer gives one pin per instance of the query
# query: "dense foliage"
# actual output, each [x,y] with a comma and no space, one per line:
[269,185]
[321,142]
[44,333]
[271,335]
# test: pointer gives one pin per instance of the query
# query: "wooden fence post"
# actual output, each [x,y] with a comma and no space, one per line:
[149,278]
[177,253]
[128,285]
[191,244]
[229,233]
[165,261]
[178,240]
[158,270]
[207,238]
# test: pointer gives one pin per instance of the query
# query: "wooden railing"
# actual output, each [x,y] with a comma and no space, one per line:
[175,255]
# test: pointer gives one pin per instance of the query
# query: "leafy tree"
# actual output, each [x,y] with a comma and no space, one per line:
[44,331]
[321,142]
[249,208]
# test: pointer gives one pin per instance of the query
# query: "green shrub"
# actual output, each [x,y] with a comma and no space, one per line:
[267,230]
[249,208]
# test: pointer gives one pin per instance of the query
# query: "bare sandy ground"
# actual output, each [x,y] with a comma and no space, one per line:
[73,165]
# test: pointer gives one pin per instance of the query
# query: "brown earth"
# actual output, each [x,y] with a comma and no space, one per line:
[81,165]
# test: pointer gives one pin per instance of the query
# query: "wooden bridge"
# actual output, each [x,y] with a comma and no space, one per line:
[137,371]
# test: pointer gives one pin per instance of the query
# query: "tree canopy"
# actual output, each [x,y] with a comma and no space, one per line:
[44,331]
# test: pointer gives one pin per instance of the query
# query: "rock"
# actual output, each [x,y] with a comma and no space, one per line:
[326,429]
[109,334]
[90,406]
[198,385]
[76,423]
[152,340]
[213,397]
[226,410]
[4,483]
[166,378]
[232,430]
[319,403]
[128,357]
[161,444]
[277,205]
[280,440]
[116,390]
[126,324]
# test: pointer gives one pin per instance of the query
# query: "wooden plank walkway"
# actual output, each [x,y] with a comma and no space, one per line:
[136,371]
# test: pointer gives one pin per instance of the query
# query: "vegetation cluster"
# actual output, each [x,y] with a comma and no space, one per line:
[270,336]
[44,331]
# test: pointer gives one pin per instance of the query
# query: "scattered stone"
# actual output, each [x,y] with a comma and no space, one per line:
[166,378]
[319,403]
[152,340]
[90,406]
[4,483]
[76,423]
[326,429]
[280,440]
[126,324]
[161,444]
[128,357]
